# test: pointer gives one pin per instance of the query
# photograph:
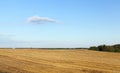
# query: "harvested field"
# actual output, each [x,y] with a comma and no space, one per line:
[58,61]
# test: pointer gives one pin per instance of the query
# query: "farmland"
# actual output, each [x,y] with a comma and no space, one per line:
[58,61]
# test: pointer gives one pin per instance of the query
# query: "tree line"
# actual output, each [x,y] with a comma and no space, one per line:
[108,48]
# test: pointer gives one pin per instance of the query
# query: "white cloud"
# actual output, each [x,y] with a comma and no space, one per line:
[40,20]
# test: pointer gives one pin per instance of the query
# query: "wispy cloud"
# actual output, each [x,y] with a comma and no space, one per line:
[40,20]
[5,37]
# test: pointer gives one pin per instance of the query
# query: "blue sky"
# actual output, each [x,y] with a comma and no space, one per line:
[60,23]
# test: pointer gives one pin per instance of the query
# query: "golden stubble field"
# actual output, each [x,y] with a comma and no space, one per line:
[58,61]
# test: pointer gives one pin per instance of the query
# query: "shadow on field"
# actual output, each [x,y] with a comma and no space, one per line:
[3,72]
[92,71]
